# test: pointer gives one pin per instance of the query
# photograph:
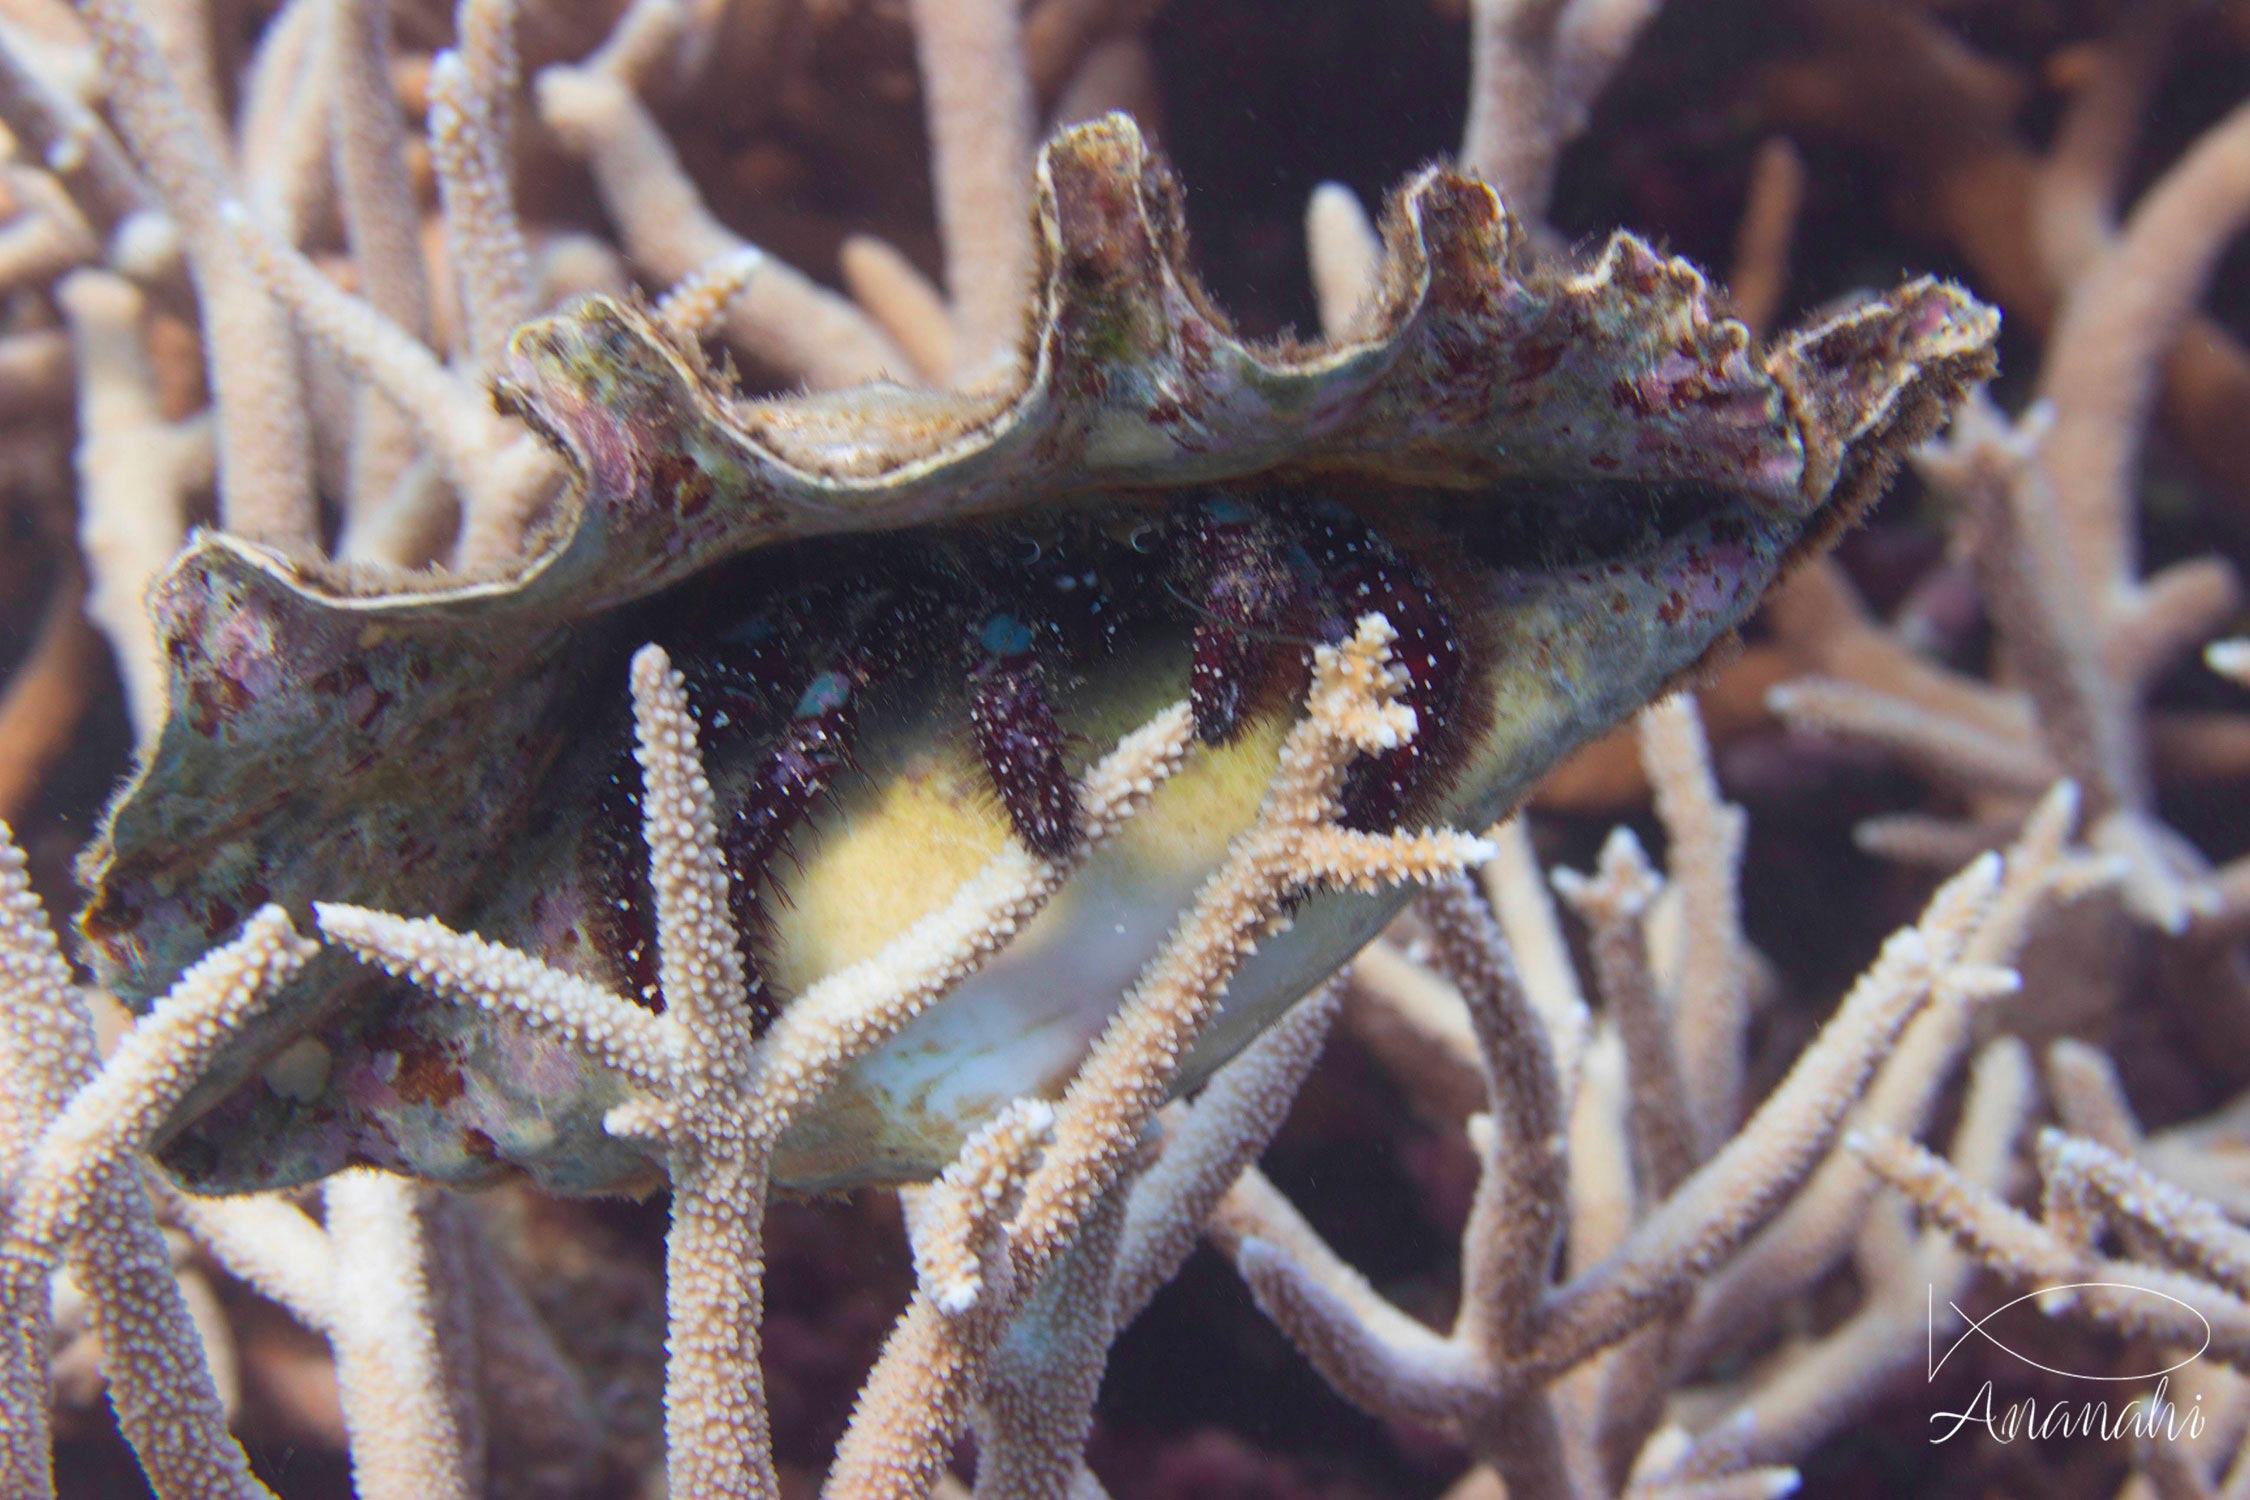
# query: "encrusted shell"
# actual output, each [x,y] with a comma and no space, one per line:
[327,740]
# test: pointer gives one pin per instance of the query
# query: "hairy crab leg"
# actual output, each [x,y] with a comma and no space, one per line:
[737,687]
[1246,594]
[1017,736]
[1360,573]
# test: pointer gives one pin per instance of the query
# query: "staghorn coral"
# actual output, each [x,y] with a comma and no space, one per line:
[2046,504]
[387,523]
[1592,1141]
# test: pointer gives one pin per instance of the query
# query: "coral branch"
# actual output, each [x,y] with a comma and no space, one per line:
[977,97]
[266,483]
[917,1398]
[1704,843]
[2120,318]
[405,1433]
[78,1192]
[782,318]
[1734,1194]
[469,971]
[133,471]
[472,142]
[1345,253]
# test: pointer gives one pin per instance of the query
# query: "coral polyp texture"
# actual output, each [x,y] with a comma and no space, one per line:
[699,877]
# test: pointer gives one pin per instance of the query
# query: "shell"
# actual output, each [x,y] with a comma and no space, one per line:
[417,745]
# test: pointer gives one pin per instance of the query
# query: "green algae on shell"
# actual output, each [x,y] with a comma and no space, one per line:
[430,747]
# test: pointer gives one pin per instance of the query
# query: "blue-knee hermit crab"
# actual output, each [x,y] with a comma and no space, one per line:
[907,619]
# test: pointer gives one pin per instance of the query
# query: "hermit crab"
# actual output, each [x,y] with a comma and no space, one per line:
[906,620]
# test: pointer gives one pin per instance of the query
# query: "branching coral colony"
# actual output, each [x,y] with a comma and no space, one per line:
[1025,717]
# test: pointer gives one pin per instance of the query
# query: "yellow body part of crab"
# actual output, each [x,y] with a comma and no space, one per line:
[923,821]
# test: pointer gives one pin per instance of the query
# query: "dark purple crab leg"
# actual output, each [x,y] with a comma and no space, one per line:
[1246,591]
[732,688]
[796,771]
[624,917]
[1017,736]
[1361,573]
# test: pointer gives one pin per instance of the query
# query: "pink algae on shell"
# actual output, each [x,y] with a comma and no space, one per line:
[429,746]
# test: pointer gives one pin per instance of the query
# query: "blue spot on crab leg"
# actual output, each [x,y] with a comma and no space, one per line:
[1018,738]
[794,749]
[792,773]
